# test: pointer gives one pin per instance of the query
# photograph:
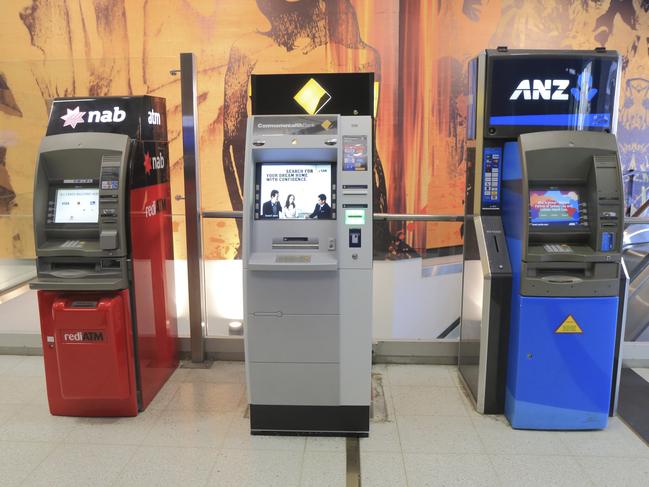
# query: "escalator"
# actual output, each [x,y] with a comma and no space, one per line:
[636,259]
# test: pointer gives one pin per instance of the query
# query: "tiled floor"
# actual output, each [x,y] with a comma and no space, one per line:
[195,433]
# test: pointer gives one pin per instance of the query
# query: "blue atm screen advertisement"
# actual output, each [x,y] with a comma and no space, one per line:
[492,171]
[550,207]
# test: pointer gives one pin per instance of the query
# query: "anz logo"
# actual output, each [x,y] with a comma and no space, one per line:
[554,89]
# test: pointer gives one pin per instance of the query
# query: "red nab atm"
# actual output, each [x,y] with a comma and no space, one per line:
[103,233]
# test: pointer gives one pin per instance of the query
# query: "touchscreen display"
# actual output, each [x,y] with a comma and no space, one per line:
[294,191]
[77,205]
[554,207]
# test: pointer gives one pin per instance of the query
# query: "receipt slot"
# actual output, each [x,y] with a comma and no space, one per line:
[307,262]
[103,233]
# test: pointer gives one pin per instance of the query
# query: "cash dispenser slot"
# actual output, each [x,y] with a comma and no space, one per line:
[296,243]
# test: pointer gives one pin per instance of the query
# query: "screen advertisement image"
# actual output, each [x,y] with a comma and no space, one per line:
[77,205]
[554,207]
[355,153]
[295,191]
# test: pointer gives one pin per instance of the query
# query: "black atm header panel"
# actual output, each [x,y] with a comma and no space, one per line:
[297,94]
[139,117]
[533,91]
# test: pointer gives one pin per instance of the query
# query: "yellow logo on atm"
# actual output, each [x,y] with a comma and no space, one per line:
[569,325]
[312,97]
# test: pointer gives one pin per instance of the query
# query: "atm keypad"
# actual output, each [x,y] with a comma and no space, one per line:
[557,248]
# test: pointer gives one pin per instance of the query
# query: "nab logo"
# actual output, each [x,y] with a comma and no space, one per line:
[154,118]
[84,336]
[554,89]
[151,163]
[74,117]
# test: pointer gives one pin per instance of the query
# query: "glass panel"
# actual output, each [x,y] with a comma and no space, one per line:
[223,279]
[417,291]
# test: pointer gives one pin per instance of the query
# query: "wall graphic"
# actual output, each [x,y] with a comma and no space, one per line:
[418,49]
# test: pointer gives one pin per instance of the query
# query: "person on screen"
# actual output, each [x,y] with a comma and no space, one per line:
[273,207]
[289,210]
[322,210]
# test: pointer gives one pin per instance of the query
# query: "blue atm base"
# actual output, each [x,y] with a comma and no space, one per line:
[560,362]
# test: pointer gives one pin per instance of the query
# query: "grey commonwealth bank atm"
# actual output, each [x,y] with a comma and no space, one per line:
[307,261]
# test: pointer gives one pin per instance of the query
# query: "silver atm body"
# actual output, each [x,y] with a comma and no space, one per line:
[308,274]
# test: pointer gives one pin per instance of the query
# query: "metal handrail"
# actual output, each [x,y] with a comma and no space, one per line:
[377,216]
[422,217]
[222,214]
[632,220]
[629,220]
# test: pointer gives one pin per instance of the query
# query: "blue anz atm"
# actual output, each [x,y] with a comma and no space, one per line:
[543,283]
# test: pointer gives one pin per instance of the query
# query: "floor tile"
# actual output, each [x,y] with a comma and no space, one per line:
[219,372]
[238,437]
[319,443]
[438,434]
[81,465]
[383,437]
[427,401]
[419,375]
[382,469]
[112,431]
[542,471]
[188,428]
[498,436]
[18,459]
[9,362]
[29,367]
[618,472]
[254,468]
[35,423]
[427,470]
[323,469]
[172,466]
[163,397]
[223,398]
[20,390]
[389,401]
[615,441]
[7,411]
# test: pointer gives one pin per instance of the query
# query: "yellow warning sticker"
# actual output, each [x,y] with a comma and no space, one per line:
[569,325]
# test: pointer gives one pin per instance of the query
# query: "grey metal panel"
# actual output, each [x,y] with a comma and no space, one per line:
[194,241]
[293,338]
[355,336]
[293,384]
[305,293]
[484,319]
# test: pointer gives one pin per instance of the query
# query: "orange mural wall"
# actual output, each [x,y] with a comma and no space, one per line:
[418,49]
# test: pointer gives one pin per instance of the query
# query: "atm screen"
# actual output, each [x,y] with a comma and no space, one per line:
[294,191]
[554,207]
[80,205]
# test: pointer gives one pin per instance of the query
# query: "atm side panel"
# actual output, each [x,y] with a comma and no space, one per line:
[152,261]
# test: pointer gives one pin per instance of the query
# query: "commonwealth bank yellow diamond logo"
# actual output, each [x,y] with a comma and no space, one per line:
[312,97]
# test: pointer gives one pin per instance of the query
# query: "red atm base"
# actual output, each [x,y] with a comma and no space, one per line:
[88,352]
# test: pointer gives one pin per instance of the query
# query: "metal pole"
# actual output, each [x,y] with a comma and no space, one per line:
[195,277]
